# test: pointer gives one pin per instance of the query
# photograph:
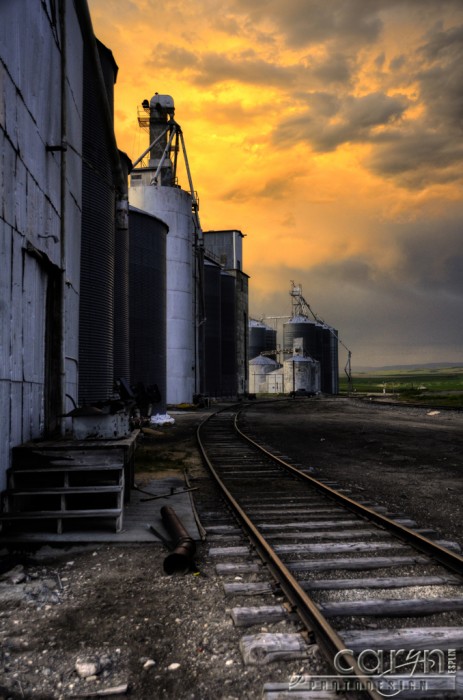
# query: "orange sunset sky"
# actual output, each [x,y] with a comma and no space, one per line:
[330,133]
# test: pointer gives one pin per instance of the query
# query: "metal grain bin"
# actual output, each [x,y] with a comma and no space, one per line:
[257,338]
[147,274]
[309,331]
[96,313]
[329,361]
[212,329]
[228,354]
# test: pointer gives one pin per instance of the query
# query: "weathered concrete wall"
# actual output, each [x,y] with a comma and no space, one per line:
[301,373]
[37,245]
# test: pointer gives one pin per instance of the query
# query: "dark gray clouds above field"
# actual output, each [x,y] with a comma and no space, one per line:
[331,134]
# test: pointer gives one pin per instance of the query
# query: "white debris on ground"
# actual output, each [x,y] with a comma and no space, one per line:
[162,419]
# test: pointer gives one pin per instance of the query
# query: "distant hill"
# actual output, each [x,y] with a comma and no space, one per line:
[426,365]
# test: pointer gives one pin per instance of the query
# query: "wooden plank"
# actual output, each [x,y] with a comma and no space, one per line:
[41,491]
[65,466]
[53,514]
[391,606]
[251,588]
[267,512]
[225,529]
[312,524]
[453,546]
[386,582]
[283,501]
[334,547]
[328,535]
[406,638]
[239,473]
[262,649]
[229,551]
[355,563]
[264,614]
[237,569]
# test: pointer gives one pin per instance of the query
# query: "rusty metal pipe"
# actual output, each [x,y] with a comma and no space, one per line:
[181,558]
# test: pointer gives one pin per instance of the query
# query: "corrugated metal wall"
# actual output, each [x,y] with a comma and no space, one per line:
[31,219]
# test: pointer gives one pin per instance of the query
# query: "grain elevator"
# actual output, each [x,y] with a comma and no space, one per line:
[154,189]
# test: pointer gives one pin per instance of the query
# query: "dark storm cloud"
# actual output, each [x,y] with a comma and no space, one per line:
[419,158]
[247,67]
[441,81]
[273,188]
[432,257]
[411,307]
[350,22]
[322,104]
[380,59]
[397,63]
[355,120]
[429,261]
[304,22]
[429,149]
[210,68]
[335,68]
[417,151]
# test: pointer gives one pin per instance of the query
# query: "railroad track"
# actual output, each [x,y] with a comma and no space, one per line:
[382,599]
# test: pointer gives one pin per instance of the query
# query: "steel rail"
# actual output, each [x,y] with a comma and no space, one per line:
[314,622]
[449,559]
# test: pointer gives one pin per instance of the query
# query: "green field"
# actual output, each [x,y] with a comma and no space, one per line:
[439,386]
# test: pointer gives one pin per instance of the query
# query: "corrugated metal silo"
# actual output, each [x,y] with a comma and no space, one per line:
[96,315]
[302,327]
[257,338]
[212,329]
[271,341]
[174,206]
[329,361]
[228,354]
[148,303]
[262,338]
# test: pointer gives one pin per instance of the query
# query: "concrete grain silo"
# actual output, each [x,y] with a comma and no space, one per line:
[301,374]
[173,207]
[154,190]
